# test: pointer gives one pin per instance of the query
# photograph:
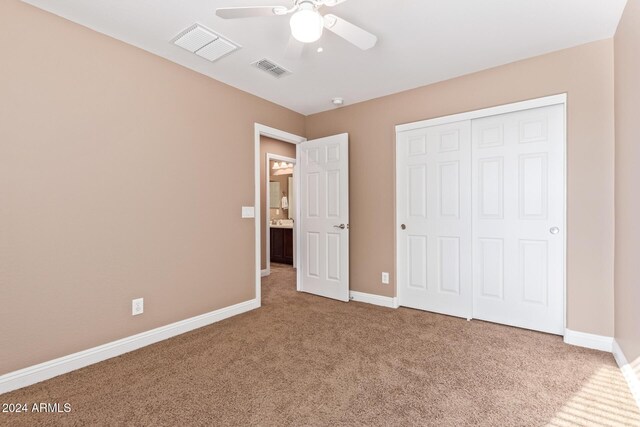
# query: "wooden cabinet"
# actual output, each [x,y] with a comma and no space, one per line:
[288,246]
[282,245]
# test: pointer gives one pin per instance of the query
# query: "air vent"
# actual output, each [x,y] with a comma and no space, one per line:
[271,68]
[204,43]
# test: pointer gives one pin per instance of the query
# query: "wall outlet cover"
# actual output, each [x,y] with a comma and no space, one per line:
[137,306]
[385,278]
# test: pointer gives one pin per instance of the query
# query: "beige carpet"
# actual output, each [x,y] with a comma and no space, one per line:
[306,360]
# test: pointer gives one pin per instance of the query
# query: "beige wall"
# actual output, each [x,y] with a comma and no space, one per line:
[586,74]
[281,148]
[627,267]
[114,168]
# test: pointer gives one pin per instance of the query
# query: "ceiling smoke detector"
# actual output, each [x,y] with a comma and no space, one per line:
[338,102]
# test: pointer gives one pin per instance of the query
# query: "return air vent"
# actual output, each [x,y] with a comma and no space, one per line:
[271,68]
[204,43]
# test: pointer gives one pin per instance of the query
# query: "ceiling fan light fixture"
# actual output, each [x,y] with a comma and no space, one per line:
[306,23]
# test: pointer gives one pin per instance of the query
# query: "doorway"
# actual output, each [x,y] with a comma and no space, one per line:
[321,213]
[280,211]
[262,217]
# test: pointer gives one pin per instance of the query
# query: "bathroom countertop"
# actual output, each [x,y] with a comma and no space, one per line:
[280,226]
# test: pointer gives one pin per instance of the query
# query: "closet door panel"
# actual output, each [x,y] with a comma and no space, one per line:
[518,219]
[434,206]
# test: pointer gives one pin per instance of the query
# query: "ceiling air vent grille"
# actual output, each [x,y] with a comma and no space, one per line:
[271,68]
[205,43]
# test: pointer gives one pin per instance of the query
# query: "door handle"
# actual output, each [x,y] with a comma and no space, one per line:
[341,226]
[404,227]
[554,230]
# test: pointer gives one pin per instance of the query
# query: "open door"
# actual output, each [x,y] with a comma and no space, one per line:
[323,168]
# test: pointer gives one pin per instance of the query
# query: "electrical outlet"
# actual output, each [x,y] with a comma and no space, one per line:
[385,278]
[137,306]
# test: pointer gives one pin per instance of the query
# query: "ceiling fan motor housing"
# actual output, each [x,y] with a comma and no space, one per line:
[306,23]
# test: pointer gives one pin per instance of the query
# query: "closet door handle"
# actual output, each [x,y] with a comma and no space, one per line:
[404,227]
[554,230]
[341,226]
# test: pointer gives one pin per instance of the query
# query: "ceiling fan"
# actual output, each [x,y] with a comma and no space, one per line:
[306,22]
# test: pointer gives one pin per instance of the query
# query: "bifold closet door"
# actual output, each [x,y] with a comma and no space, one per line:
[518,219]
[434,219]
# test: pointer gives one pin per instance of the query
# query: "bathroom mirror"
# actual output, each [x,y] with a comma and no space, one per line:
[274,195]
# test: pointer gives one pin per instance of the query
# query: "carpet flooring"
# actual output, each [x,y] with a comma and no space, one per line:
[305,360]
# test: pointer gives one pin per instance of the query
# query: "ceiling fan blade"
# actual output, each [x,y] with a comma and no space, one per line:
[250,12]
[332,3]
[351,33]
[294,49]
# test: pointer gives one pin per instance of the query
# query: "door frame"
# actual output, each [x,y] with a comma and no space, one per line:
[267,220]
[280,135]
[559,99]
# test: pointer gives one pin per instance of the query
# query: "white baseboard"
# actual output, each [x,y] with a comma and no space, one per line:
[62,365]
[583,339]
[633,379]
[265,272]
[390,302]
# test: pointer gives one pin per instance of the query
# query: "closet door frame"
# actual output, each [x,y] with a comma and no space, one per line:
[560,99]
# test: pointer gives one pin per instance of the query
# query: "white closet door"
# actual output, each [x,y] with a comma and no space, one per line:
[518,219]
[434,219]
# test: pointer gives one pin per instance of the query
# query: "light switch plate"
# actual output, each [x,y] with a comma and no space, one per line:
[248,212]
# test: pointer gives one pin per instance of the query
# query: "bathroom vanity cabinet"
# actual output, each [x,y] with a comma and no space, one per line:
[282,245]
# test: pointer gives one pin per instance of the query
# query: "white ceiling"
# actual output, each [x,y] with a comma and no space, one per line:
[420,41]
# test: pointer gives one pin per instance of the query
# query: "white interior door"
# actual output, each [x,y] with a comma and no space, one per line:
[518,219]
[323,166]
[434,219]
